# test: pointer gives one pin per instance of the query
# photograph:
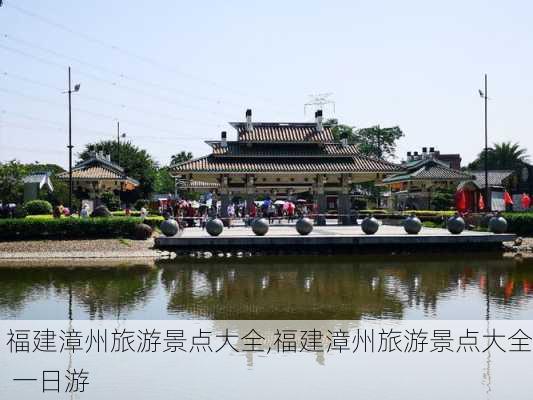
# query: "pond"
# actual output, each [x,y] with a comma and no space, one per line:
[312,288]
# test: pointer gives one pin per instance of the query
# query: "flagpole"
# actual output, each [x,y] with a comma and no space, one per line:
[487,200]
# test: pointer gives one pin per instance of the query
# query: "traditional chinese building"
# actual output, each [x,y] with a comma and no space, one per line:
[282,160]
[422,175]
[98,175]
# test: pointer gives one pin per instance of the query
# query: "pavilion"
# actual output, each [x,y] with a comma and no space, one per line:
[282,161]
[98,175]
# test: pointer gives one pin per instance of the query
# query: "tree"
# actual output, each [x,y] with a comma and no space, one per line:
[164,182]
[373,141]
[180,157]
[505,155]
[137,164]
[11,185]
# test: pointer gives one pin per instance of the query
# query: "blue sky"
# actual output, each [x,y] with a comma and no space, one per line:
[174,72]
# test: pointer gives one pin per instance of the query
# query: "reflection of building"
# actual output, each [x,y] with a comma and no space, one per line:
[35,182]
[98,175]
[422,176]
[283,160]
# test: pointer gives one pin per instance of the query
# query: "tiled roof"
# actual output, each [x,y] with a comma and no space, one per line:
[96,169]
[429,170]
[496,178]
[282,132]
[239,149]
[355,164]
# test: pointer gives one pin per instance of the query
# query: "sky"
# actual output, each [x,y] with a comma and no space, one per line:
[174,73]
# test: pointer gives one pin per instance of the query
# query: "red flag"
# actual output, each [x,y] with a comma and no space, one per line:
[481,202]
[526,201]
[507,198]
[460,200]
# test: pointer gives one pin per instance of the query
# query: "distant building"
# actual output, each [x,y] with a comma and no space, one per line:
[423,175]
[98,175]
[453,161]
[35,182]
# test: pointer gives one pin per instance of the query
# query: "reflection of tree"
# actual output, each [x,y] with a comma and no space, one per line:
[100,291]
[278,290]
[326,288]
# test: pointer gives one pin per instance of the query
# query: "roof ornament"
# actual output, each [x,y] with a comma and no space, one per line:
[318,121]
[223,139]
[249,127]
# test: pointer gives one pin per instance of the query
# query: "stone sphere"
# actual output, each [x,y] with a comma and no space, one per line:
[260,226]
[498,224]
[142,232]
[370,225]
[169,227]
[455,224]
[412,225]
[214,227]
[304,226]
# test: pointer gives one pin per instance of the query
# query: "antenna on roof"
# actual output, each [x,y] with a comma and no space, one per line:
[318,101]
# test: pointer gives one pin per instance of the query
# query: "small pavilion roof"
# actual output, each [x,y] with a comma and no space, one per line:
[496,178]
[428,169]
[98,168]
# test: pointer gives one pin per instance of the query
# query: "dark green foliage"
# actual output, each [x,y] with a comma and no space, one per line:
[164,182]
[101,211]
[442,200]
[373,141]
[505,155]
[110,200]
[137,164]
[141,203]
[38,207]
[180,157]
[520,223]
[72,228]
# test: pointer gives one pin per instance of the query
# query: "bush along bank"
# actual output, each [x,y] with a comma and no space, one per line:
[73,228]
[520,223]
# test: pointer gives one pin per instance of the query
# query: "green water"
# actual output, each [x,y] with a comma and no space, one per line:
[394,287]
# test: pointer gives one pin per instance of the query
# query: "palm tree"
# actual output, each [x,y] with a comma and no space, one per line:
[180,157]
[504,155]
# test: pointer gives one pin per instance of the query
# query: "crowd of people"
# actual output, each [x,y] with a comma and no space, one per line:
[193,213]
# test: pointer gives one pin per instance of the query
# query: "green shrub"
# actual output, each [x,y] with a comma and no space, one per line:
[72,228]
[520,223]
[36,207]
[141,203]
[110,200]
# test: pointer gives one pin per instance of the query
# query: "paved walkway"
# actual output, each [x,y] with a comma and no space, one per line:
[328,230]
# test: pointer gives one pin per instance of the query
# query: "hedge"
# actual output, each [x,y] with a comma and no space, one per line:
[520,223]
[72,228]
[37,207]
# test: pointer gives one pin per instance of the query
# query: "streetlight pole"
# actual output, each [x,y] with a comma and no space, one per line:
[70,91]
[484,95]
[118,142]
[487,190]
[69,142]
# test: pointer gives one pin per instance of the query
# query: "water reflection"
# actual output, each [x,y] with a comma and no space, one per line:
[348,288]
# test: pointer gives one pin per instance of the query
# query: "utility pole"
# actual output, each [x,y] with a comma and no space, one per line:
[487,190]
[69,143]
[118,142]
[70,91]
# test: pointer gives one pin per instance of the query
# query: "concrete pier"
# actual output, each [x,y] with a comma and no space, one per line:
[333,238]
